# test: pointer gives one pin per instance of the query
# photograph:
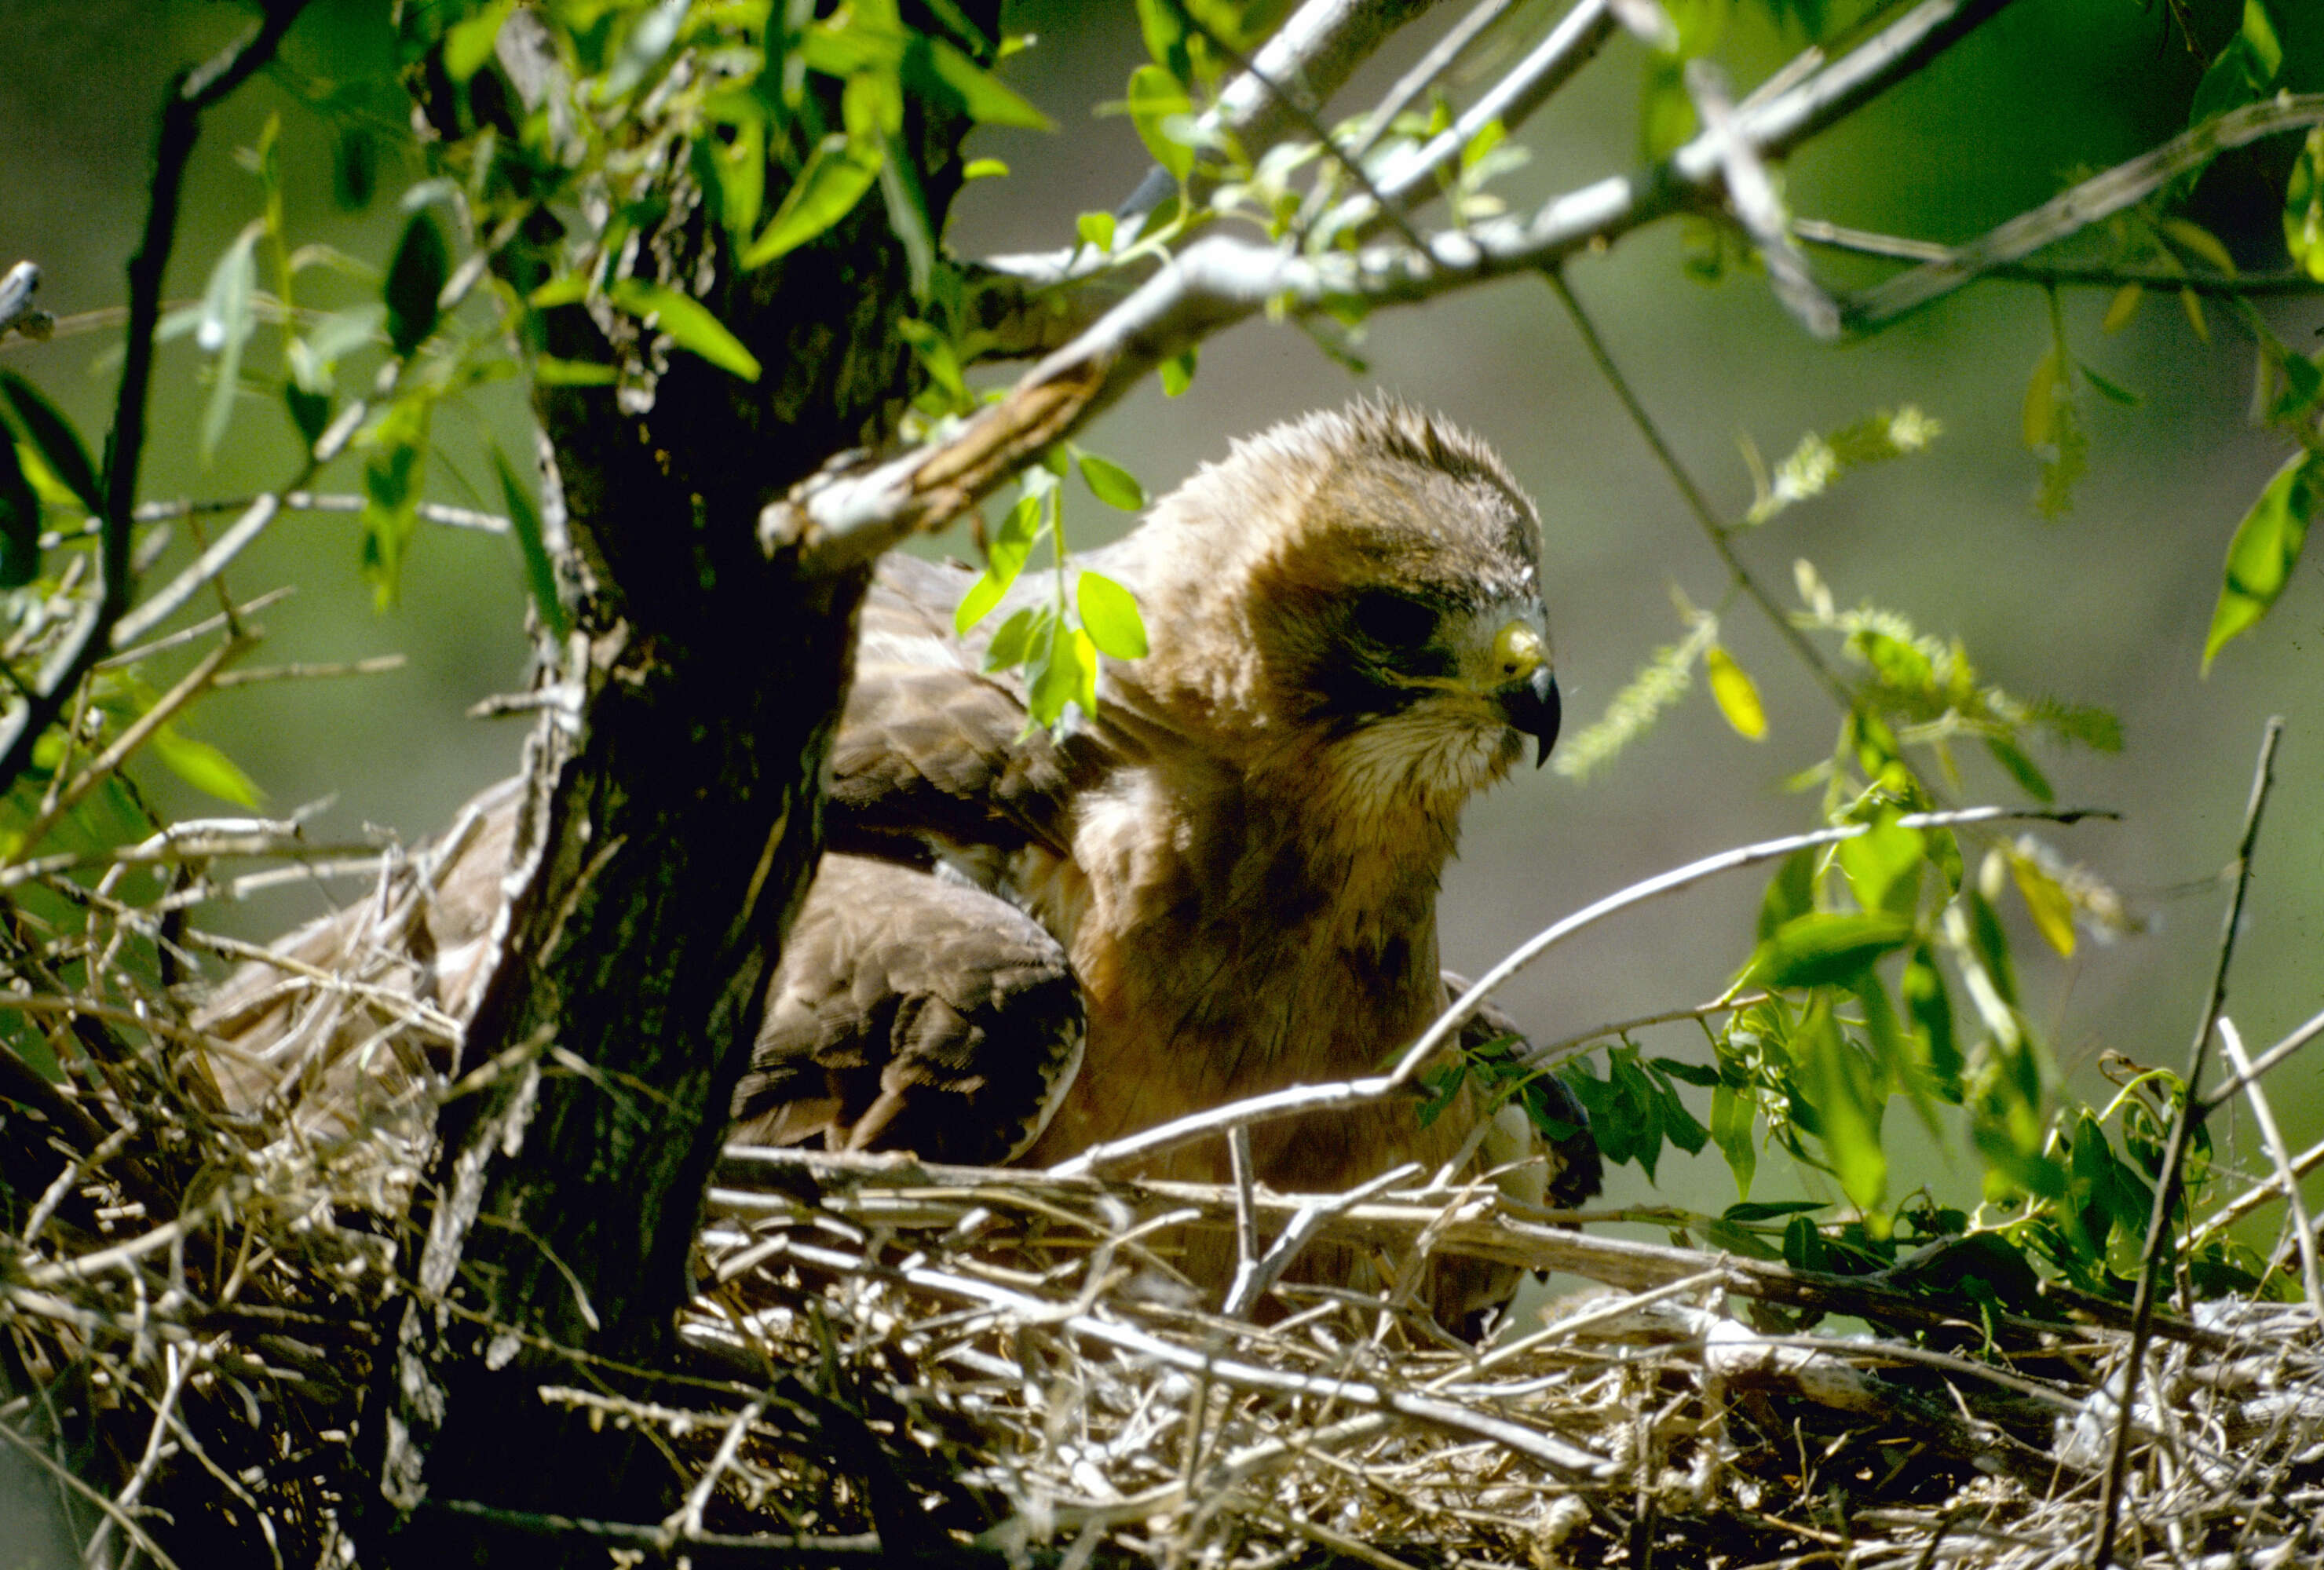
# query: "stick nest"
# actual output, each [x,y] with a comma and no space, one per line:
[889,1360]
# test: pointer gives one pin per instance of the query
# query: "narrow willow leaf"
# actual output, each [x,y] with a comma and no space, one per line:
[1732,1113]
[548,371]
[524,522]
[1825,949]
[1931,1011]
[1110,614]
[1791,892]
[984,168]
[468,45]
[688,323]
[1111,483]
[56,441]
[415,278]
[2266,548]
[2122,306]
[1004,558]
[1884,866]
[1731,688]
[20,520]
[977,604]
[2303,207]
[1156,99]
[2021,768]
[2193,303]
[984,97]
[1177,374]
[227,324]
[2041,412]
[1007,649]
[1096,229]
[2111,390]
[2046,902]
[204,766]
[836,176]
[1848,1109]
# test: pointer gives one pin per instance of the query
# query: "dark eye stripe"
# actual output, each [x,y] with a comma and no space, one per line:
[1393,620]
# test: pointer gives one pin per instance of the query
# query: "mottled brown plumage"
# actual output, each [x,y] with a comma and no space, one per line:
[1237,858]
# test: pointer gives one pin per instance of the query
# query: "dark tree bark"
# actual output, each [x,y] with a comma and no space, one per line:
[668,834]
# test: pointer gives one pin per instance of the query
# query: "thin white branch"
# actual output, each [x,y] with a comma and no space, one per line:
[837,520]
[2231,1041]
[1357,1092]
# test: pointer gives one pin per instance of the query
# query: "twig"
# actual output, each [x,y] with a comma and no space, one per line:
[1537,1057]
[190,93]
[139,732]
[1716,531]
[1751,195]
[1424,73]
[2189,1117]
[705,1547]
[1309,1219]
[1356,1092]
[377,665]
[2100,197]
[2259,1194]
[112,1512]
[126,1501]
[435,512]
[2311,1280]
[2300,1037]
[842,517]
[2287,281]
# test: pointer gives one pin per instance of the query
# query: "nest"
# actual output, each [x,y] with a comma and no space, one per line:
[888,1359]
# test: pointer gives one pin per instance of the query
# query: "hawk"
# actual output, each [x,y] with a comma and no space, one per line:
[1221,883]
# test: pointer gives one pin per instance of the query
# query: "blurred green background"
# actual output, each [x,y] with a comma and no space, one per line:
[2109,605]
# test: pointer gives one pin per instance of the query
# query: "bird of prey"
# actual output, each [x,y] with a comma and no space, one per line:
[1221,883]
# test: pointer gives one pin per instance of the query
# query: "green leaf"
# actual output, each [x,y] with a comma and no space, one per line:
[2039,417]
[225,326]
[836,176]
[2258,35]
[2021,768]
[2266,548]
[1732,1113]
[1111,483]
[2303,207]
[1823,948]
[1884,865]
[1769,1210]
[1068,674]
[907,220]
[1701,1074]
[54,439]
[1004,558]
[20,522]
[524,522]
[310,412]
[1179,373]
[415,279]
[2122,306]
[548,371]
[649,40]
[1009,646]
[2111,390]
[1931,1011]
[1790,893]
[1848,1109]
[2046,901]
[1736,697]
[984,97]
[1109,613]
[984,168]
[1991,945]
[468,45]
[1096,229]
[204,767]
[1155,98]
[688,323]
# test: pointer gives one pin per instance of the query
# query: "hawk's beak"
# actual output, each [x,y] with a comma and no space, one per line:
[1532,707]
[1529,697]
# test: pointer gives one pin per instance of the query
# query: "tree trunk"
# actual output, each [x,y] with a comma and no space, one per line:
[672,826]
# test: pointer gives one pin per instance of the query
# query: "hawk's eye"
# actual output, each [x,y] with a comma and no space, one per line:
[1394,621]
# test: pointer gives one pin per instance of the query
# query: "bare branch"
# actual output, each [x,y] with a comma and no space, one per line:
[2174,1154]
[190,93]
[1356,1092]
[837,520]
[2100,197]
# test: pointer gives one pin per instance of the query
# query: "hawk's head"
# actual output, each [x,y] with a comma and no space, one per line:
[1355,594]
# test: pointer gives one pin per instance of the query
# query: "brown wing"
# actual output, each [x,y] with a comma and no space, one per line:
[361,1002]
[933,755]
[913,1012]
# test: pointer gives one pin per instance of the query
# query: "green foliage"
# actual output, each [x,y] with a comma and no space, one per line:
[2266,548]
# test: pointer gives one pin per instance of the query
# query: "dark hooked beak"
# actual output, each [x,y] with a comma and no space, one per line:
[1532,707]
